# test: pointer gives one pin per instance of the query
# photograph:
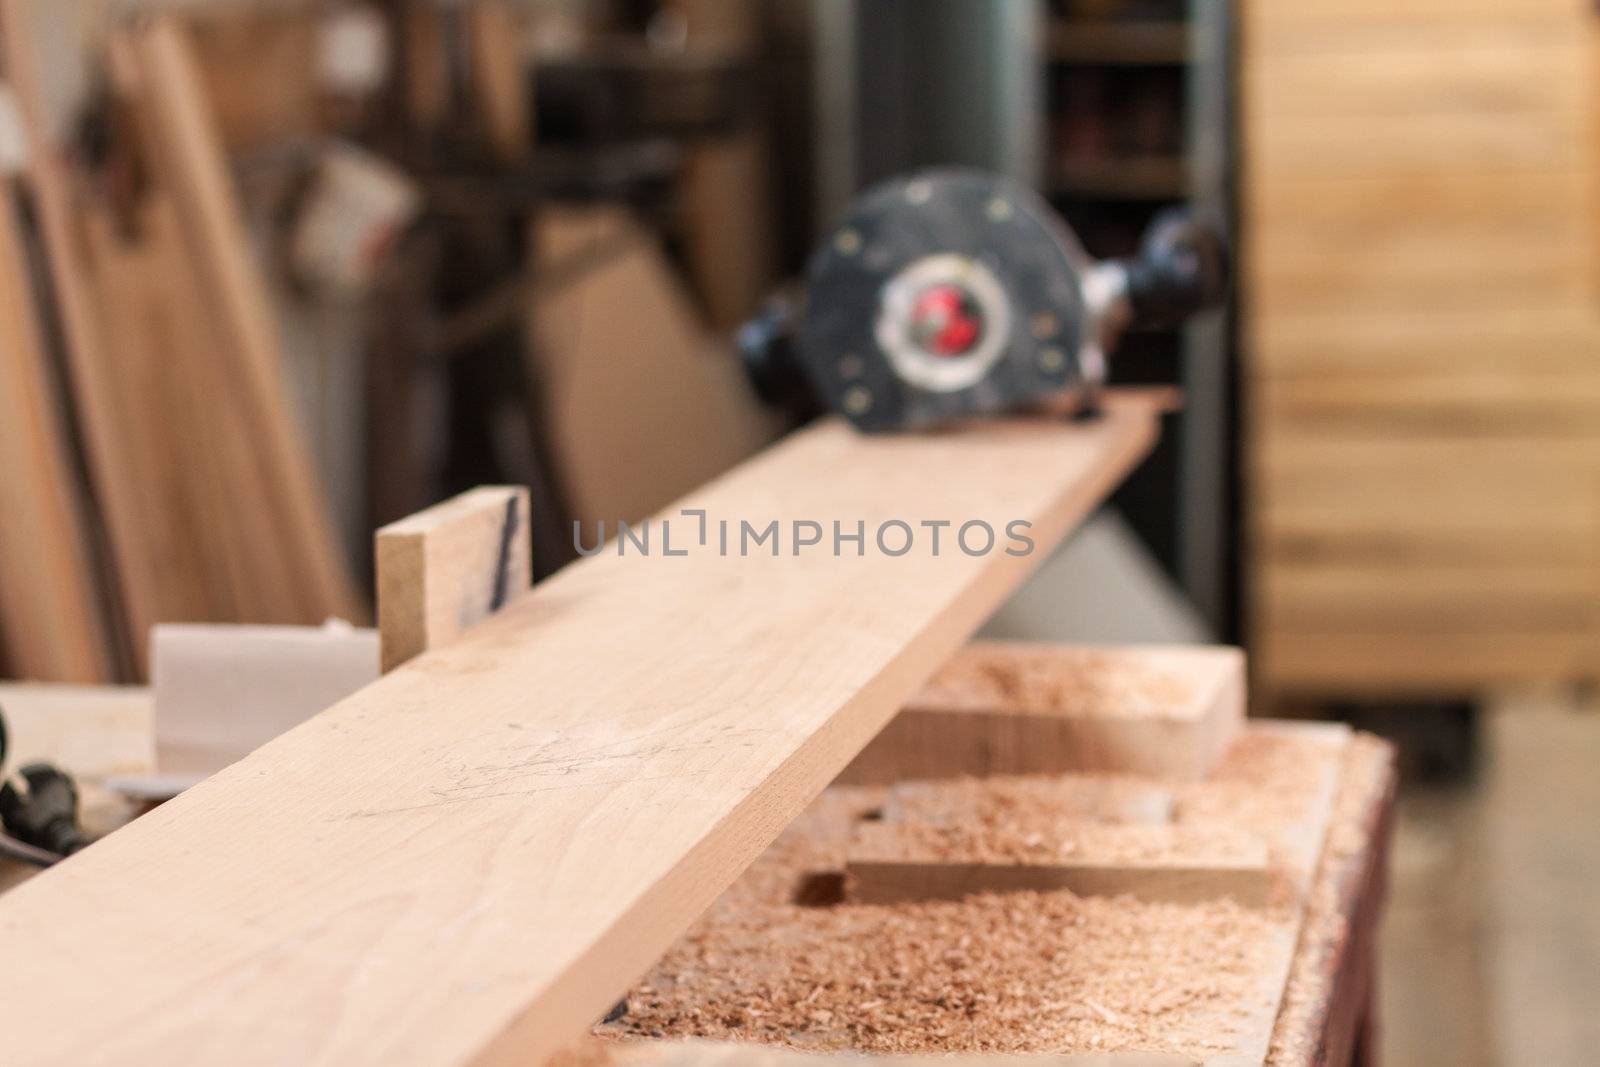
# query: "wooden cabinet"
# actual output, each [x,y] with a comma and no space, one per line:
[1422,343]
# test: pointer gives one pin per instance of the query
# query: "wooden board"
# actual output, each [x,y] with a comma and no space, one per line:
[1395,342]
[499,71]
[186,151]
[51,627]
[1297,855]
[642,402]
[1420,221]
[885,865]
[744,1054]
[89,361]
[468,861]
[258,69]
[1015,708]
[449,567]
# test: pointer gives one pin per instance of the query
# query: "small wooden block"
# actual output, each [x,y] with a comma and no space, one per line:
[1178,864]
[1015,708]
[453,565]
[1099,799]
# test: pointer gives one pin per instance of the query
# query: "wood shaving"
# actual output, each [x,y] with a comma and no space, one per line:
[992,973]
[1024,972]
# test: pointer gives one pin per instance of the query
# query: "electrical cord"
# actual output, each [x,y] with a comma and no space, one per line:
[38,812]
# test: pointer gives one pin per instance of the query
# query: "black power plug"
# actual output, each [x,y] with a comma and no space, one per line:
[38,812]
[39,807]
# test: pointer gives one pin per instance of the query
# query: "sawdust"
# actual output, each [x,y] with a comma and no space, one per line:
[1018,972]
[1042,841]
[1054,682]
[1037,972]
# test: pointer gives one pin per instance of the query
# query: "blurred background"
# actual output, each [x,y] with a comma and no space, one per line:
[275,273]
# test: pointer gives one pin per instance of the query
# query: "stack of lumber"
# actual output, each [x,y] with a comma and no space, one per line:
[204,496]
[1424,389]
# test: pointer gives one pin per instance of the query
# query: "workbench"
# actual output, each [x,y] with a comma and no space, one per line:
[1326,1019]
[470,860]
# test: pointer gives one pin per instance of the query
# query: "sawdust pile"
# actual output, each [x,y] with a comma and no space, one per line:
[1018,972]
[1003,973]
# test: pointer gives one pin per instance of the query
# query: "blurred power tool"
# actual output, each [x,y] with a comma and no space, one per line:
[954,293]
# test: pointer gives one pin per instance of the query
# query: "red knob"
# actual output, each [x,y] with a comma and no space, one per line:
[946,320]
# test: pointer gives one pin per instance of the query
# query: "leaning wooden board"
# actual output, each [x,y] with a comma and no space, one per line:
[50,627]
[468,861]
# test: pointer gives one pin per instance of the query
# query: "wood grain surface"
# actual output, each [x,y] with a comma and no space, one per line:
[468,861]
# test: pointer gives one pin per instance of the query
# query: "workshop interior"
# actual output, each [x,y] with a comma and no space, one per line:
[799,533]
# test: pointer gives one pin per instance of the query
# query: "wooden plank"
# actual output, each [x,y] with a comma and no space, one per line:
[1330,992]
[1386,343]
[450,567]
[1385,663]
[596,1053]
[1297,854]
[94,731]
[1094,835]
[187,152]
[623,347]
[164,429]
[500,78]
[1407,77]
[471,859]
[1351,25]
[50,623]
[258,70]
[1346,213]
[1357,146]
[1427,273]
[88,358]
[1510,401]
[1004,708]
[1419,486]
[890,862]
[1116,800]
[1410,596]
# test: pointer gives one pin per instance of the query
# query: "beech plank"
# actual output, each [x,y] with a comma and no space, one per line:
[888,863]
[471,859]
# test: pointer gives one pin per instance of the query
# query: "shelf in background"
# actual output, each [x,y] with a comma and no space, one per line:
[1130,178]
[1120,43]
